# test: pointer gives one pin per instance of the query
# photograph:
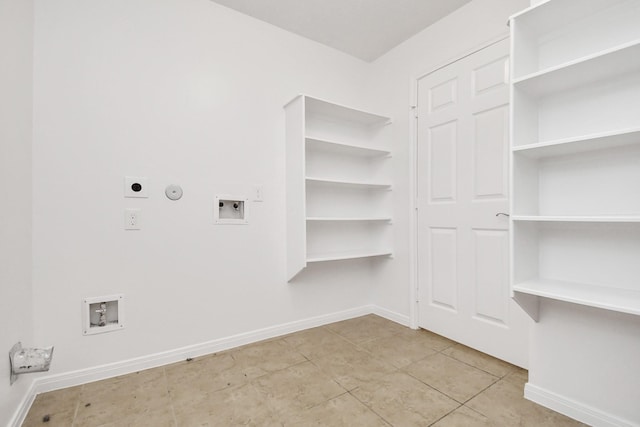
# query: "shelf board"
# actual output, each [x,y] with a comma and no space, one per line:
[580,144]
[547,15]
[604,65]
[592,218]
[355,184]
[341,112]
[340,148]
[614,299]
[337,256]
[323,218]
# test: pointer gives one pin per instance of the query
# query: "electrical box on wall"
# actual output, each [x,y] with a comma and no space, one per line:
[102,314]
[231,210]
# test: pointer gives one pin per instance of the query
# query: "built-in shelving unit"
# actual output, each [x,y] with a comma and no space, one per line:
[576,154]
[338,185]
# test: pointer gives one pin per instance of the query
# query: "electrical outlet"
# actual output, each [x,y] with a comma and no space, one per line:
[136,186]
[258,193]
[132,219]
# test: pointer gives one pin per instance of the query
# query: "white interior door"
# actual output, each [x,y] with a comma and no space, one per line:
[463,177]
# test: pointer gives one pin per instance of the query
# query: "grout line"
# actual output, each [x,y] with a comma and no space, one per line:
[448,413]
[171,408]
[368,407]
[75,413]
[476,367]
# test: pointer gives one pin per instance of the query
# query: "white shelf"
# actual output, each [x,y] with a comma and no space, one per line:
[576,154]
[316,106]
[361,184]
[561,32]
[580,144]
[340,219]
[605,65]
[621,300]
[337,183]
[592,218]
[338,256]
[545,16]
[340,148]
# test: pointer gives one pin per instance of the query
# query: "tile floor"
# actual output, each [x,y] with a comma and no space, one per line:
[366,371]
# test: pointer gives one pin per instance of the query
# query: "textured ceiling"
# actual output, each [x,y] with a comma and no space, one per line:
[365,29]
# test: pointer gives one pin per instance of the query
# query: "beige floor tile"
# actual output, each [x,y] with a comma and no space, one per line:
[453,378]
[241,405]
[267,356]
[353,368]
[300,380]
[59,405]
[318,342]
[428,339]
[160,417]
[504,404]
[404,401]
[110,400]
[398,350]
[465,417]
[366,328]
[297,387]
[518,377]
[479,360]
[344,410]
[207,374]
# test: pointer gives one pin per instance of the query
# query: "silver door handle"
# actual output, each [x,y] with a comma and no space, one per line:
[502,213]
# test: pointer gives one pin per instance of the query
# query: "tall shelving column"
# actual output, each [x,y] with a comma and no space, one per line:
[576,154]
[338,183]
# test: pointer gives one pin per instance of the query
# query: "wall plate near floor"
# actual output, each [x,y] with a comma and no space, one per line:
[28,360]
[102,314]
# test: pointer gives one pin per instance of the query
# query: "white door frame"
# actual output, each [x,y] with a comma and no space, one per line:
[413,173]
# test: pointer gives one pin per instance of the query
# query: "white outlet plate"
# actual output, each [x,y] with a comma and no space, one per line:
[258,193]
[136,186]
[132,219]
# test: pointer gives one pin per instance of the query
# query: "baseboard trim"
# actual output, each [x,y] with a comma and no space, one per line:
[27,400]
[571,408]
[391,315]
[69,379]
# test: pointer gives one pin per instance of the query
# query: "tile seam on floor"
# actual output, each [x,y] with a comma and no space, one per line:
[75,412]
[171,408]
[482,391]
[448,413]
[369,407]
[475,367]
[442,392]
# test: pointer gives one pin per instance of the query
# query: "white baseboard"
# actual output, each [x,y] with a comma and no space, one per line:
[571,408]
[69,379]
[23,408]
[391,315]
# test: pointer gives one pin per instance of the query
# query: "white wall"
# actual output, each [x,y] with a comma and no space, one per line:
[589,356]
[185,92]
[390,88]
[16,65]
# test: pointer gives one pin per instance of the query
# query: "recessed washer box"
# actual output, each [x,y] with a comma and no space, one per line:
[102,314]
[231,210]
